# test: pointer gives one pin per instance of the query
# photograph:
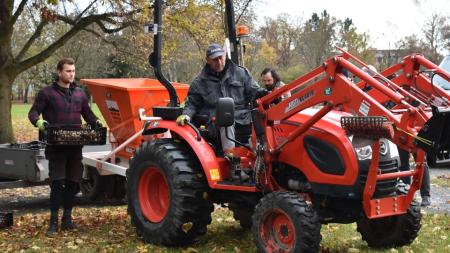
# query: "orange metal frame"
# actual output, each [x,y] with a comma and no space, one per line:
[329,87]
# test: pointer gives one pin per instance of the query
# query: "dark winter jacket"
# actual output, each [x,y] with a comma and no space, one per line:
[234,81]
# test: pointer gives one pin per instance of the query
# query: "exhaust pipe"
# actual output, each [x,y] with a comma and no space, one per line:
[155,56]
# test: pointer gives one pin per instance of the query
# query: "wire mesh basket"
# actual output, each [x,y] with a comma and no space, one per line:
[33,145]
[73,135]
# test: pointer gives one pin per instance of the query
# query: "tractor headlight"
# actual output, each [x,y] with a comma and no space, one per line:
[364,153]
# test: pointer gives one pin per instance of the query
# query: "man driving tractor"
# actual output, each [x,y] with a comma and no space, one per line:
[221,77]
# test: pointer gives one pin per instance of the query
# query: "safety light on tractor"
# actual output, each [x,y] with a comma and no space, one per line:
[242,31]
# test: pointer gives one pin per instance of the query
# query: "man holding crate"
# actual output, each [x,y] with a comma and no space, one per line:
[62,103]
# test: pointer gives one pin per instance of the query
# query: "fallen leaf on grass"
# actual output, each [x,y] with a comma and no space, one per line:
[189,250]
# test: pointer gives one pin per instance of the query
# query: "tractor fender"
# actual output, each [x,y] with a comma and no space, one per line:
[200,147]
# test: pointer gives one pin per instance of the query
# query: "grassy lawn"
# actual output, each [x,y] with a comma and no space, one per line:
[442,181]
[108,229]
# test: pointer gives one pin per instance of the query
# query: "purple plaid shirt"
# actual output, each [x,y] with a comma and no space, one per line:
[61,106]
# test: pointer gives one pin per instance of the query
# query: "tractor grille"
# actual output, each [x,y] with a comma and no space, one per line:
[384,187]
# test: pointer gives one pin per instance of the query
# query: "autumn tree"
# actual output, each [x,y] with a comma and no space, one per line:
[353,42]
[431,42]
[281,34]
[109,16]
[317,39]
[435,31]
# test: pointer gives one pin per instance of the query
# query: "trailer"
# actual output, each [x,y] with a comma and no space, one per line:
[125,105]
[23,165]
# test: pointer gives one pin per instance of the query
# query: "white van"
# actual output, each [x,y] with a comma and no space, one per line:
[445,65]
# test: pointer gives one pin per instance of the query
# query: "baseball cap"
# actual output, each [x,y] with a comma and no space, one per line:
[214,50]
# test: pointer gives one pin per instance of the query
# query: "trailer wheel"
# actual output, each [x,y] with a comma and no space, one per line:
[95,186]
[284,222]
[167,194]
[242,213]
[391,231]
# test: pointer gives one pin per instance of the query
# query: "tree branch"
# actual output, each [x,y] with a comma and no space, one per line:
[77,27]
[243,10]
[84,11]
[31,40]
[112,43]
[19,11]
[108,30]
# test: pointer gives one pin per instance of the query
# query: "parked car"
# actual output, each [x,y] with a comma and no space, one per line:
[445,65]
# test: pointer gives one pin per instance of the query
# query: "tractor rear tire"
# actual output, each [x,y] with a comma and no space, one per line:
[284,222]
[392,231]
[167,194]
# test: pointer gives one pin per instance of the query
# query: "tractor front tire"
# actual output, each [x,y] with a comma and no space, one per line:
[167,194]
[392,231]
[284,222]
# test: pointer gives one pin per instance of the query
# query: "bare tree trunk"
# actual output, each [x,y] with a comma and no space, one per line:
[19,94]
[6,130]
[25,93]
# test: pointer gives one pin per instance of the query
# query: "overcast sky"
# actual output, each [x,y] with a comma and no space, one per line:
[386,21]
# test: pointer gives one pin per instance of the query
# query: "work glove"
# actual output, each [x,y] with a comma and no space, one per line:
[261,92]
[41,124]
[96,124]
[183,119]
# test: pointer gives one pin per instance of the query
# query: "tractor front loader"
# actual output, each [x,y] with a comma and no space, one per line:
[327,154]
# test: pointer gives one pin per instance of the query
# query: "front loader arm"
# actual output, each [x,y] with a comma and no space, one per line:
[328,86]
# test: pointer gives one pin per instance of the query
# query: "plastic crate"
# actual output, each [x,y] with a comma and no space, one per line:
[71,135]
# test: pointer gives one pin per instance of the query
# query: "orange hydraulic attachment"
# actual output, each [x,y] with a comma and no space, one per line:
[340,84]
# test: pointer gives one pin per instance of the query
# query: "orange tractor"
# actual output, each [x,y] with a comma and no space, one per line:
[327,154]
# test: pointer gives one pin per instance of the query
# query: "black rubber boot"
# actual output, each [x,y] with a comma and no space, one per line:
[70,190]
[426,201]
[53,224]
[66,221]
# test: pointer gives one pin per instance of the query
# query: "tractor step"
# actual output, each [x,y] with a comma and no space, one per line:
[237,183]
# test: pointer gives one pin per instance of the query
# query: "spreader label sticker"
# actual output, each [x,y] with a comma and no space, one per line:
[298,101]
[364,108]
[112,105]
[113,108]
[215,176]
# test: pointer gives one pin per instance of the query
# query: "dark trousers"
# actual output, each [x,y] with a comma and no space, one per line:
[65,171]
[404,166]
[242,133]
